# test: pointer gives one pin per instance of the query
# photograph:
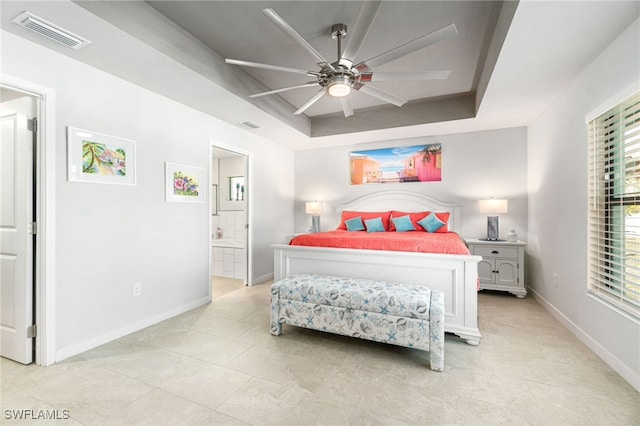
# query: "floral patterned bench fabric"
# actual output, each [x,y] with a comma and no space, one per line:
[374,310]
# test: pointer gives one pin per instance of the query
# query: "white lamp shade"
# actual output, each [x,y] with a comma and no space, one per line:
[313,207]
[493,206]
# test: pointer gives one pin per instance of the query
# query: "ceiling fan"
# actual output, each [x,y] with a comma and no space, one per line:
[340,77]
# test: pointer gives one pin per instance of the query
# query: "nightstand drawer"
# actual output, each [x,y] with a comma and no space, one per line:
[498,251]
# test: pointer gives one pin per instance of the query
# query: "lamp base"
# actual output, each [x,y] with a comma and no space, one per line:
[493,233]
[315,224]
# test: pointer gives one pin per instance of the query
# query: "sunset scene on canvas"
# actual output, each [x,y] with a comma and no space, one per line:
[420,163]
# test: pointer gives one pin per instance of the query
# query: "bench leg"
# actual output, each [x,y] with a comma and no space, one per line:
[436,331]
[276,326]
[436,359]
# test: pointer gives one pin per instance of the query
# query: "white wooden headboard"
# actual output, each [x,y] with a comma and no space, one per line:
[403,201]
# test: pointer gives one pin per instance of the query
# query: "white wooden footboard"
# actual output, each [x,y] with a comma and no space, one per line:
[454,275]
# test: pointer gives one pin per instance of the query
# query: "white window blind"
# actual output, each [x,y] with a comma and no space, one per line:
[614,206]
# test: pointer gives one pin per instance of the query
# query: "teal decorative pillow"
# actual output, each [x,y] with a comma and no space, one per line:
[374,225]
[355,224]
[431,223]
[403,223]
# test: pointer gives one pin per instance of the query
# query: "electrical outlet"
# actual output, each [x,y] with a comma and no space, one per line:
[555,280]
[137,289]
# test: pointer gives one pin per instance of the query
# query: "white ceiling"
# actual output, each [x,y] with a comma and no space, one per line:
[544,48]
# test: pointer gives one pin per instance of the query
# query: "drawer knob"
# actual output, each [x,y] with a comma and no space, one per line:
[495,252]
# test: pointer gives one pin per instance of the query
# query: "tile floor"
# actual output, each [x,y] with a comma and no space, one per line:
[223,285]
[218,364]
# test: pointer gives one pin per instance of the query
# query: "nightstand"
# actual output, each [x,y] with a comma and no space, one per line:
[502,265]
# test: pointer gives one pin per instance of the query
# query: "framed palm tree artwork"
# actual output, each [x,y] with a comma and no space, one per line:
[94,157]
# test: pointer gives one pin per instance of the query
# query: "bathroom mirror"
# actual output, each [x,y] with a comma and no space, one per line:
[232,183]
[236,188]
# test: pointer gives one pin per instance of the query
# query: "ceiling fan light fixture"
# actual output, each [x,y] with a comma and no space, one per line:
[339,86]
[338,78]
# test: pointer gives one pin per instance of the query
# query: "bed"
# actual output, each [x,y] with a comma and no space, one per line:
[456,275]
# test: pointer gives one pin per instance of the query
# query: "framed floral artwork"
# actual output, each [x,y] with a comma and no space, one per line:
[184,184]
[94,157]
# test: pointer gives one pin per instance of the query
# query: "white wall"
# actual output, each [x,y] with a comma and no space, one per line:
[109,237]
[474,166]
[557,164]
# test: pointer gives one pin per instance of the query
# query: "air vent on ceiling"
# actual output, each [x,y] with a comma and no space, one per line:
[36,24]
[252,124]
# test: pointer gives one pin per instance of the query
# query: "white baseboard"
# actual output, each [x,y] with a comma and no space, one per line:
[263,278]
[76,349]
[618,366]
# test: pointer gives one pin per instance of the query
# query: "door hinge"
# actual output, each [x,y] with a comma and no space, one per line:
[32,331]
[32,124]
[32,228]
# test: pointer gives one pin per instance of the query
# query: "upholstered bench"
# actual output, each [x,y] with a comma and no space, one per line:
[398,314]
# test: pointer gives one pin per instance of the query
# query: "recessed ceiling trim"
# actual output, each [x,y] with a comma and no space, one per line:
[51,31]
[450,108]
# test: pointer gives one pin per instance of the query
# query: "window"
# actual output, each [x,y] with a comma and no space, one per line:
[614,206]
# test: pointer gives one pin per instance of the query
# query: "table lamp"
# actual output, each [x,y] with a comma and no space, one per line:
[314,208]
[493,206]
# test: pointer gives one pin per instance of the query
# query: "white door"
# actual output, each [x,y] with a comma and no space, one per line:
[16,234]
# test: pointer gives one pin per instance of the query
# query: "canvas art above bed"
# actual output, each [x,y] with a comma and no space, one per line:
[419,163]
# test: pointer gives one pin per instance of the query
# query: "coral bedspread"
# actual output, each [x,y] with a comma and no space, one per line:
[422,242]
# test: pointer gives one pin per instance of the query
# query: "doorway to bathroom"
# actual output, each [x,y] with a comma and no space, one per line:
[230,236]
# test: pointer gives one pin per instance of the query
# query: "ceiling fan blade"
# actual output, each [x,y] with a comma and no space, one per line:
[311,101]
[404,76]
[271,67]
[284,89]
[288,30]
[361,28]
[346,106]
[411,46]
[380,94]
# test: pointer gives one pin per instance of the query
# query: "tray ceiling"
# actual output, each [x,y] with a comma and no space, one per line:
[240,30]
[508,63]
